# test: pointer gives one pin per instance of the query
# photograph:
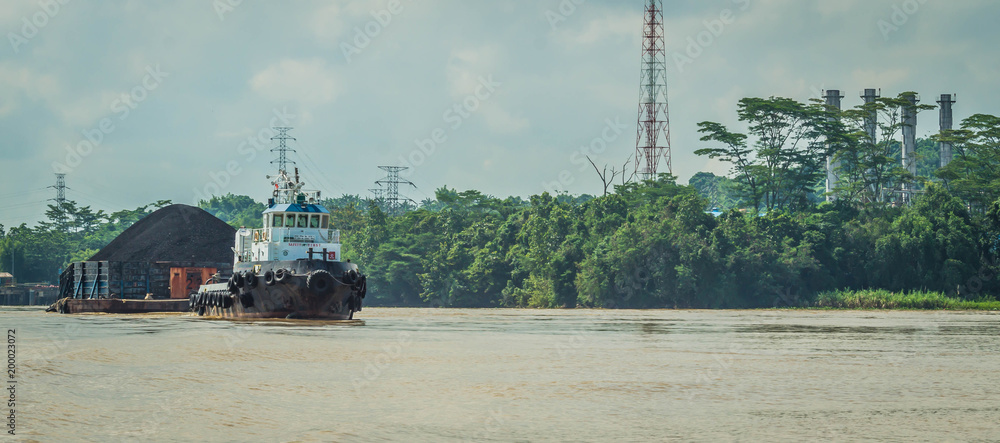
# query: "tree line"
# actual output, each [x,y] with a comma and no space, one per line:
[774,241]
[652,244]
[69,233]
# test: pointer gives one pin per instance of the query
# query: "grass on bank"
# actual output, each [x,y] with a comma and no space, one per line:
[882,299]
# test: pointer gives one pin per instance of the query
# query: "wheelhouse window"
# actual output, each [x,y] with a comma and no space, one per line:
[290,221]
[314,221]
[303,220]
[277,221]
[326,222]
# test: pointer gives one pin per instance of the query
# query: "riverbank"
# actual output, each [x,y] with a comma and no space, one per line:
[882,299]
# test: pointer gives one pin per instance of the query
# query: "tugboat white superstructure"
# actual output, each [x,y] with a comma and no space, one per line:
[291,268]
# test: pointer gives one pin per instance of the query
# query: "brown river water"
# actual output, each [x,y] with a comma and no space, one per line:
[510,375]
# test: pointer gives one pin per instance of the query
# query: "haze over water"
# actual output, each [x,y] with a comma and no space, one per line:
[511,375]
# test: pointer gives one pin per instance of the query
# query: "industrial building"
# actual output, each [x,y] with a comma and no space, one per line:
[908,156]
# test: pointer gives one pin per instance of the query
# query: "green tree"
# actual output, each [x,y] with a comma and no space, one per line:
[974,173]
[785,163]
[236,210]
[720,191]
[935,244]
[928,158]
[871,171]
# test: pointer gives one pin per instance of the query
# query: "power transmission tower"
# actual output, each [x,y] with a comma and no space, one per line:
[378,197]
[653,134]
[283,148]
[390,194]
[60,199]
[60,188]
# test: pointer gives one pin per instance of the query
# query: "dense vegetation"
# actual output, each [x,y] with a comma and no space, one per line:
[70,233]
[882,299]
[889,239]
[652,245]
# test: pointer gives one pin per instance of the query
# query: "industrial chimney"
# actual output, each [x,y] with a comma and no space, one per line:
[871,123]
[833,98]
[946,125]
[909,156]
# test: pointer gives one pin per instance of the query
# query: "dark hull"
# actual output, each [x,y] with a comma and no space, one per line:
[117,306]
[310,289]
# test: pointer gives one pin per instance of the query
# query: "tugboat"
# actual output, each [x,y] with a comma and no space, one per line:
[291,268]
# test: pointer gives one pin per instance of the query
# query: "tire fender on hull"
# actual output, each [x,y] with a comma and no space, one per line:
[320,282]
[282,275]
[246,299]
[350,277]
[250,280]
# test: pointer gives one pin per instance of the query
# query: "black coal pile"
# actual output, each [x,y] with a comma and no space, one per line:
[173,233]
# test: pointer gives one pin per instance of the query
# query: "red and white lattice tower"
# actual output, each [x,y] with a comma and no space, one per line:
[653,138]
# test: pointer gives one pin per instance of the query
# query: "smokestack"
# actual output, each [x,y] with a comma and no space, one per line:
[871,123]
[946,125]
[910,138]
[833,98]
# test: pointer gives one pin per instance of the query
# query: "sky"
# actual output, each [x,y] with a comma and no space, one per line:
[139,101]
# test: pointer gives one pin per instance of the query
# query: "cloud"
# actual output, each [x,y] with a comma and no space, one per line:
[887,78]
[328,23]
[334,22]
[501,121]
[28,83]
[466,69]
[466,66]
[838,7]
[307,82]
[25,86]
[599,29]
[558,85]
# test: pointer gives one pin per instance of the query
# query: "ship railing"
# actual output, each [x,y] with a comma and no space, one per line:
[261,235]
[280,234]
[332,236]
